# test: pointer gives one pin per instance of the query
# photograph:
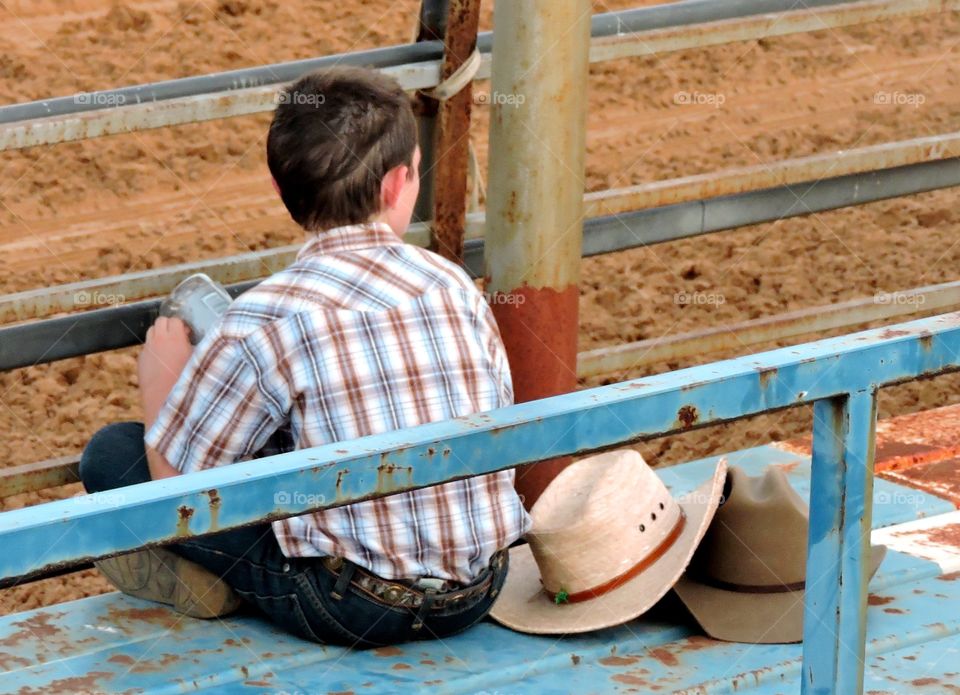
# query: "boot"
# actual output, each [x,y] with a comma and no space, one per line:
[158,574]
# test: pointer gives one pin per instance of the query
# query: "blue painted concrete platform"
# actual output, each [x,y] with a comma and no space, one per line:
[114,643]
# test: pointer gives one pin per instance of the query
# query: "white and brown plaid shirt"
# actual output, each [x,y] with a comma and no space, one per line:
[362,334]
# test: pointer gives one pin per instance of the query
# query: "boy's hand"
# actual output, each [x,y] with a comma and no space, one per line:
[165,353]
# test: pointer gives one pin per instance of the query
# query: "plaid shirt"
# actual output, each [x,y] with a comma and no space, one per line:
[362,334]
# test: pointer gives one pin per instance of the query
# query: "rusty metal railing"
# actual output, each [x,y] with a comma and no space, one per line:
[841,377]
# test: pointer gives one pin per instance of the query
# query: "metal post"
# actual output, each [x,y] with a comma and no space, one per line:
[452,138]
[431,27]
[841,505]
[535,199]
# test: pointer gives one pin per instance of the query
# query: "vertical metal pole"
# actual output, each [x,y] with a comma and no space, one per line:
[841,507]
[452,139]
[534,203]
[431,27]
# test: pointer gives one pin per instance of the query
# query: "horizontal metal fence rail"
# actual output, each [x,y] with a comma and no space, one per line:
[124,325]
[840,376]
[606,24]
[39,475]
[644,31]
[626,357]
[119,289]
[622,359]
[785,172]
[797,172]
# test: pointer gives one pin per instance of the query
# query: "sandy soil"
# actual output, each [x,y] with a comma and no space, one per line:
[143,200]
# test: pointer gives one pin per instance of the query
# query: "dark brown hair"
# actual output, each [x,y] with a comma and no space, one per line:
[334,136]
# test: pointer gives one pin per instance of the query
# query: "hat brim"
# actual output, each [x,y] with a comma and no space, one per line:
[733,616]
[524,606]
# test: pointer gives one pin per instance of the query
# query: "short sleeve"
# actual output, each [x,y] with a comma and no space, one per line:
[220,411]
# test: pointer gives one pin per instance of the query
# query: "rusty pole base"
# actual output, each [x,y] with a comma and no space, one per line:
[539,329]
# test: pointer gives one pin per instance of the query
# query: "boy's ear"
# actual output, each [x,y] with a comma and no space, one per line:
[392,186]
[276,186]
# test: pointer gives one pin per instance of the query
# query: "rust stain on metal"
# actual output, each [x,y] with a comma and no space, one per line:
[341,474]
[155,665]
[401,667]
[539,329]
[628,679]
[949,577]
[757,673]
[575,659]
[893,333]
[665,657]
[893,454]
[89,683]
[35,627]
[387,651]
[124,659]
[9,661]
[926,342]
[894,610]
[184,514]
[215,503]
[162,617]
[619,660]
[696,643]
[939,478]
[687,416]
[877,600]
[453,134]
[945,535]
[767,374]
[386,475]
[788,467]
[428,662]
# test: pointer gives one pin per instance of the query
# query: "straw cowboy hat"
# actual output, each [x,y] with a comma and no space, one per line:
[746,581]
[608,541]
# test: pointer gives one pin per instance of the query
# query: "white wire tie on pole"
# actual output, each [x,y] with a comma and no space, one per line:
[460,78]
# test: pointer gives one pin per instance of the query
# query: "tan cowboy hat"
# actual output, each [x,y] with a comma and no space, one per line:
[746,581]
[608,541]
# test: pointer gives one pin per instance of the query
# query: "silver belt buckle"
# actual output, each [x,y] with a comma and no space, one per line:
[430,584]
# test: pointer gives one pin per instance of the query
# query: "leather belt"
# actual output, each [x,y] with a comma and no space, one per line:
[396,593]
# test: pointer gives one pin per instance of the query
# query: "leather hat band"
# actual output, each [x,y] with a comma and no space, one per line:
[597,591]
[751,588]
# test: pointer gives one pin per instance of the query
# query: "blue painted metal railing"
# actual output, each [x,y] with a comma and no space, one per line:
[840,376]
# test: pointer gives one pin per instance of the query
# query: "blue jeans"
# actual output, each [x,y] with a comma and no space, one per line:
[295,593]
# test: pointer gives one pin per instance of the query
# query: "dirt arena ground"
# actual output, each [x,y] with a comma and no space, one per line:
[143,200]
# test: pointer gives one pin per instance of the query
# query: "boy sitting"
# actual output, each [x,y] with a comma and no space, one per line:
[362,334]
